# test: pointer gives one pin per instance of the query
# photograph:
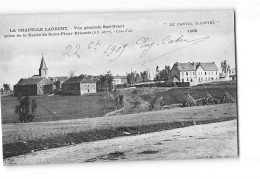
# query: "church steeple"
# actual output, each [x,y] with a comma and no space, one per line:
[43,68]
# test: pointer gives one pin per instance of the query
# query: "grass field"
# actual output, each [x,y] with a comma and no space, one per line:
[53,108]
[178,95]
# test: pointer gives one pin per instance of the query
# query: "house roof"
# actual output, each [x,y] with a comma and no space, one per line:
[194,66]
[78,79]
[29,81]
[186,66]
[209,66]
[36,76]
[43,64]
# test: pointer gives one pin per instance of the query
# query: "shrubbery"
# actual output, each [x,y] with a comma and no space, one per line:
[26,109]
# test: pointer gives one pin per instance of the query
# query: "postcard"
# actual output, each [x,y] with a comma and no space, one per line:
[118,86]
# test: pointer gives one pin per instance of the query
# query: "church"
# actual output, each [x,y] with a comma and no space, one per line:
[38,84]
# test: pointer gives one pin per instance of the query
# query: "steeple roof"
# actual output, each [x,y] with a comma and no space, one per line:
[43,64]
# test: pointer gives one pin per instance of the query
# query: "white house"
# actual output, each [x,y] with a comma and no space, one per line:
[118,80]
[194,72]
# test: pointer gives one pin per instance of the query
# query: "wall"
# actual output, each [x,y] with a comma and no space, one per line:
[175,72]
[25,90]
[40,86]
[188,76]
[71,88]
[88,88]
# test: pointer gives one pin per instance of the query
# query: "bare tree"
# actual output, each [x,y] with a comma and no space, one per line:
[71,74]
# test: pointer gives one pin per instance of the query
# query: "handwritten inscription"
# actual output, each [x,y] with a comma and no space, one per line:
[113,51]
[76,52]
[144,43]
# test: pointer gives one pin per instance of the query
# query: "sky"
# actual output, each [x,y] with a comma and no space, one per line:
[140,41]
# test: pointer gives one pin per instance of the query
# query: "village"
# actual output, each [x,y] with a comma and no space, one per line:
[180,75]
[88,108]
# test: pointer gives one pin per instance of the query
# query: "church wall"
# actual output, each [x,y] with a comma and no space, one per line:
[40,86]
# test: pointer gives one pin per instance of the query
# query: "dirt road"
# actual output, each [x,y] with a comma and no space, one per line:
[215,140]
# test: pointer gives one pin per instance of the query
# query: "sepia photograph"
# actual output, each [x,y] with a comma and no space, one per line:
[118,86]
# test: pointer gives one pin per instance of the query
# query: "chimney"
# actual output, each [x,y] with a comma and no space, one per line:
[176,64]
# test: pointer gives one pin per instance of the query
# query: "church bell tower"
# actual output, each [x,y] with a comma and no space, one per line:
[43,68]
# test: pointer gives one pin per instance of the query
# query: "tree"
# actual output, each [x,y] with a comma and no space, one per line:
[26,109]
[157,69]
[138,78]
[164,74]
[71,74]
[2,91]
[131,77]
[225,68]
[157,77]
[6,87]
[144,76]
[109,80]
[106,81]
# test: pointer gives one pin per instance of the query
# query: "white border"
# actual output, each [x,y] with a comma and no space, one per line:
[248,48]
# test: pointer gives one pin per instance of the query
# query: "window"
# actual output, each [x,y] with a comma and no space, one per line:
[194,73]
[205,73]
[182,73]
[216,72]
[187,73]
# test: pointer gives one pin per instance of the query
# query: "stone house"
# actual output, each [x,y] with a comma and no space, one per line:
[79,85]
[30,87]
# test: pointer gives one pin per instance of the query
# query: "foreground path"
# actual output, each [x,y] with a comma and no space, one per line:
[215,140]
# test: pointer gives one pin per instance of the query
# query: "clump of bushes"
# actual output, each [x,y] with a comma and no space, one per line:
[134,92]
[26,109]
[209,99]
[156,101]
[227,98]
[189,101]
